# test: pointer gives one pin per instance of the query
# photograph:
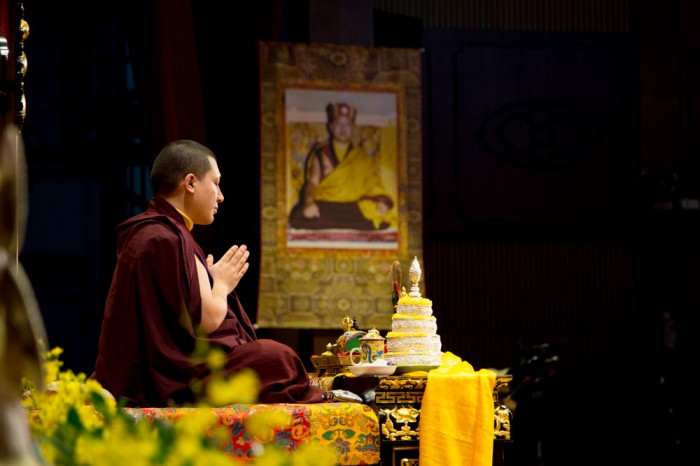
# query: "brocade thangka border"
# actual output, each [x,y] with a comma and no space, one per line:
[313,278]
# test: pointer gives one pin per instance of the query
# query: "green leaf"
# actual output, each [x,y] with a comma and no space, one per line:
[101,406]
[74,419]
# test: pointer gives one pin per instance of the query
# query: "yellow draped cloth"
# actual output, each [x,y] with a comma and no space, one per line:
[456,417]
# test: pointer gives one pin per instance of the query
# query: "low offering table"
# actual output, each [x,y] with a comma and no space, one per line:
[397,400]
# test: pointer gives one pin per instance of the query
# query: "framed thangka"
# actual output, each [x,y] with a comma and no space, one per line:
[341,181]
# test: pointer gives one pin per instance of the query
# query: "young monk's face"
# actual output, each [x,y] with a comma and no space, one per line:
[341,128]
[208,195]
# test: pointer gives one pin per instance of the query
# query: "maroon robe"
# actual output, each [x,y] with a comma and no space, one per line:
[151,313]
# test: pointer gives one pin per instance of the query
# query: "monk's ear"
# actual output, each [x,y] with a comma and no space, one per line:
[189,181]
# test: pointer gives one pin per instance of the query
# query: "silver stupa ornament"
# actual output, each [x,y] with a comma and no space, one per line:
[414,273]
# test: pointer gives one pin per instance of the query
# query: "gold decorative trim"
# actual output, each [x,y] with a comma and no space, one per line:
[20,65]
[502,418]
[501,386]
[398,458]
[400,423]
[398,397]
[403,383]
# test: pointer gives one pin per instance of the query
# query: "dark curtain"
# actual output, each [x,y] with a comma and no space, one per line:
[178,71]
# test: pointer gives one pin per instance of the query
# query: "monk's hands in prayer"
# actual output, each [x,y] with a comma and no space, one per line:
[226,273]
[231,267]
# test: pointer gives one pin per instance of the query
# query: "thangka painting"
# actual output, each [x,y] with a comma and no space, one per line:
[341,181]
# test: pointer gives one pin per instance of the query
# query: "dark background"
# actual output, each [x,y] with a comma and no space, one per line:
[560,179]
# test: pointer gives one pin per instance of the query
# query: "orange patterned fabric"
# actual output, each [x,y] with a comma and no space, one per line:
[352,429]
[326,383]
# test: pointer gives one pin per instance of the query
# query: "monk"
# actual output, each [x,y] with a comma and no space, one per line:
[166,295]
[342,187]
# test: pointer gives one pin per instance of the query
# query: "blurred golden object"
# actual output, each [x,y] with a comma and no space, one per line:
[24,28]
[21,326]
[347,324]
[336,358]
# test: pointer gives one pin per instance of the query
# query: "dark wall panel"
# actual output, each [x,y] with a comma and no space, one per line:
[528,130]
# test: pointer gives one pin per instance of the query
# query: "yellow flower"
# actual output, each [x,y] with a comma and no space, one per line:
[76,422]
[312,454]
[216,359]
[195,423]
[241,387]
[187,447]
[52,363]
[272,456]
[262,424]
[123,442]
[215,458]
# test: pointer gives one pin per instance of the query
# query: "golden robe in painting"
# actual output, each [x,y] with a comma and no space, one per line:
[347,193]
